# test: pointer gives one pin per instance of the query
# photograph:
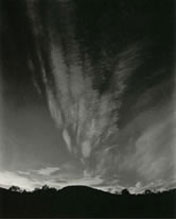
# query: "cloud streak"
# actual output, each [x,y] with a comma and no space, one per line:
[86,118]
[47,171]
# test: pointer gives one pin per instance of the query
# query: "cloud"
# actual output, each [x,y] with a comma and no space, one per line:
[61,181]
[27,173]
[154,151]
[87,120]
[47,171]
[8,178]
[151,154]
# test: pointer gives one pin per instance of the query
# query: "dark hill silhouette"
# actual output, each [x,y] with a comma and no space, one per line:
[82,201]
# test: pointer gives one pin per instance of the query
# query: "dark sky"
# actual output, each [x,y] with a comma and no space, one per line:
[87,93]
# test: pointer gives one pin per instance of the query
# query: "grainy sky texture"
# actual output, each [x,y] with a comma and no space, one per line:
[87,94]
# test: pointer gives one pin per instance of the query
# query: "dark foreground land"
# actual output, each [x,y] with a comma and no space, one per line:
[81,201]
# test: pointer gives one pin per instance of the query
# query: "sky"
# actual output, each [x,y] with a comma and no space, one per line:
[87,94]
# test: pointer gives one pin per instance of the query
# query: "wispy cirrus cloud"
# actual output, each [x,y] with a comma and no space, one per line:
[47,171]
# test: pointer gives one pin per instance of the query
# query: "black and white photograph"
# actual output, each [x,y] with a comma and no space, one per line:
[87,109]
